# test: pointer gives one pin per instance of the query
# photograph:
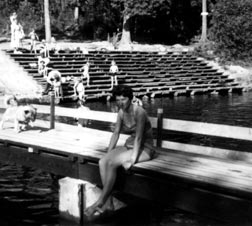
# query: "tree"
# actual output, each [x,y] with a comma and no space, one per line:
[47,21]
[6,8]
[132,8]
[231,29]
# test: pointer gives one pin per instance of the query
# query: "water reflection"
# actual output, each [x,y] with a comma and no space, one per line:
[229,109]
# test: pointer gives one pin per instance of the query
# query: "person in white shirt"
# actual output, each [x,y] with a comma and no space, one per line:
[113,70]
[33,38]
[85,74]
[79,89]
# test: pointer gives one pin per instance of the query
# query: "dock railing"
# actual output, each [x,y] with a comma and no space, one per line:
[161,125]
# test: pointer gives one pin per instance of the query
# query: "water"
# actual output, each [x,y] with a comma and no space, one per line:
[29,197]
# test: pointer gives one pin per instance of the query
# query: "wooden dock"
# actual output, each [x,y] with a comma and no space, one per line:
[211,181]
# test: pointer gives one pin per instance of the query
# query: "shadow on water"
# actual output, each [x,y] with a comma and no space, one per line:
[30,197]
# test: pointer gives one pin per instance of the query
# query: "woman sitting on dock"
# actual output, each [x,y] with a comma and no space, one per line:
[133,120]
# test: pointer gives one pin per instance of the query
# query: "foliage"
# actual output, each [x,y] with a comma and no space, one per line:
[30,15]
[205,50]
[232,29]
[165,21]
[6,8]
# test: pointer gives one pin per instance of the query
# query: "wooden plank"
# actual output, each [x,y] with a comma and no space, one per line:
[77,113]
[239,175]
[56,165]
[209,151]
[71,139]
[235,132]
[52,140]
[197,179]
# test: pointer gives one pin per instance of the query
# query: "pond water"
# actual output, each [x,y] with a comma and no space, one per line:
[30,197]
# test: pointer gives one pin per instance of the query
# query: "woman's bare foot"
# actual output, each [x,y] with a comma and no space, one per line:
[93,208]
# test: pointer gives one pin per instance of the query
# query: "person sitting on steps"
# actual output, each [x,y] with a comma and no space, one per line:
[33,38]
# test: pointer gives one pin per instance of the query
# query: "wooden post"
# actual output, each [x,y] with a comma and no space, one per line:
[52,110]
[159,126]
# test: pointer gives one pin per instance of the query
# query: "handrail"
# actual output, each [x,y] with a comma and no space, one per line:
[211,129]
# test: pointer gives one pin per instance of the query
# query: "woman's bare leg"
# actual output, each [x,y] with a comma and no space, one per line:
[108,171]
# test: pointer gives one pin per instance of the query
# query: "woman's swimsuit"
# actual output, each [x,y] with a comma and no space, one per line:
[147,140]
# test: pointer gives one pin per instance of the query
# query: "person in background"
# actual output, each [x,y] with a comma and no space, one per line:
[53,46]
[52,76]
[57,86]
[85,74]
[79,89]
[13,17]
[21,34]
[33,38]
[137,101]
[43,64]
[113,70]
[133,120]
[11,101]
[80,111]
[43,49]
[15,33]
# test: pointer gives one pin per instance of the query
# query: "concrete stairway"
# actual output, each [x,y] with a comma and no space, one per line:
[148,73]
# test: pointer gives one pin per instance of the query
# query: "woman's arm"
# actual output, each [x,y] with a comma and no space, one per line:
[140,123]
[116,133]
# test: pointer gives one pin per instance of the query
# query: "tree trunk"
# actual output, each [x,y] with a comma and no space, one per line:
[47,21]
[125,41]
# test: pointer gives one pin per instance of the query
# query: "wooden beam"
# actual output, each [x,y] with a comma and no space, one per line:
[50,163]
[209,151]
[235,132]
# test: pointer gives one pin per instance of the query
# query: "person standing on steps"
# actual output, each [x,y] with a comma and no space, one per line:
[33,38]
[85,74]
[113,71]
[79,89]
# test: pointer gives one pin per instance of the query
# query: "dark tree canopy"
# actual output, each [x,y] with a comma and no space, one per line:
[153,21]
[231,29]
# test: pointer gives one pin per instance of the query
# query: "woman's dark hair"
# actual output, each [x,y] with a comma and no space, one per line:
[123,90]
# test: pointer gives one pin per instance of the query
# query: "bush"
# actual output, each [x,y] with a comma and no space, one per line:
[231,29]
